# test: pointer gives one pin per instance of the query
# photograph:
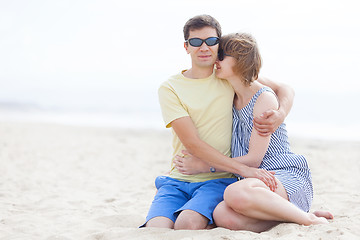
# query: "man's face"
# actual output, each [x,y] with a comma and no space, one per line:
[203,56]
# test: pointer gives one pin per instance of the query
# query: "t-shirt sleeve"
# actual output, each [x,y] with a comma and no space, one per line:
[171,106]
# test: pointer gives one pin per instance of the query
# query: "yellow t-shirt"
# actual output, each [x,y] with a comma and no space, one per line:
[208,102]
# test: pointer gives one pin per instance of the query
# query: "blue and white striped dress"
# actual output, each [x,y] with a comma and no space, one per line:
[291,169]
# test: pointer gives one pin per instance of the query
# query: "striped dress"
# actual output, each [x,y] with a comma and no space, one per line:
[291,169]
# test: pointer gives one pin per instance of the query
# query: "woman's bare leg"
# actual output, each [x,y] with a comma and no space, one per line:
[227,218]
[252,198]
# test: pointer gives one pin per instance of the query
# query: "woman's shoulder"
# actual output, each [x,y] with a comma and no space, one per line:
[267,100]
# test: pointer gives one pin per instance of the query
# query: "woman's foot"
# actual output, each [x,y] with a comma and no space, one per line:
[319,217]
[324,214]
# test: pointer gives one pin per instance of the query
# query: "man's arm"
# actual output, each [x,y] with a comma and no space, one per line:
[270,120]
[187,133]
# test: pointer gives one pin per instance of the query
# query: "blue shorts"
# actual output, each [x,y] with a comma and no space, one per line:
[173,196]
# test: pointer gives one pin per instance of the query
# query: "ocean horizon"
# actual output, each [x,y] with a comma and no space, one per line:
[317,115]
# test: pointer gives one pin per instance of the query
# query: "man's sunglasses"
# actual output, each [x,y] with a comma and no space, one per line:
[222,54]
[197,42]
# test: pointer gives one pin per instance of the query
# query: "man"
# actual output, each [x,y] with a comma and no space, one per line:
[198,107]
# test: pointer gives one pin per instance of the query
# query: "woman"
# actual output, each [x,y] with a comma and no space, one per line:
[250,204]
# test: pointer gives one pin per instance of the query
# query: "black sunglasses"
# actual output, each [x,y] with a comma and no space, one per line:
[222,54]
[197,42]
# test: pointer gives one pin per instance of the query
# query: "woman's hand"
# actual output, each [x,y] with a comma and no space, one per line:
[268,122]
[189,164]
[266,176]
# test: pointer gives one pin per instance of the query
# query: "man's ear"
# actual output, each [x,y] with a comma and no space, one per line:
[186,47]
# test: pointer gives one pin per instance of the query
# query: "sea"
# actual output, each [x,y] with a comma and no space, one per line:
[316,116]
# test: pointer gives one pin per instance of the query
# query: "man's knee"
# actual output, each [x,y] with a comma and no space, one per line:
[160,222]
[190,220]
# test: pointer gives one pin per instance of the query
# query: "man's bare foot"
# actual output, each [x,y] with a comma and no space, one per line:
[324,214]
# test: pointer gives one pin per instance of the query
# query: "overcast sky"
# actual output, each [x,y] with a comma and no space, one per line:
[99,46]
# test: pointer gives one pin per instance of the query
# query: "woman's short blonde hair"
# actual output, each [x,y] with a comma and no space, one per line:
[243,47]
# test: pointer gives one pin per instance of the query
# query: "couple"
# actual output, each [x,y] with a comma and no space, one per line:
[215,113]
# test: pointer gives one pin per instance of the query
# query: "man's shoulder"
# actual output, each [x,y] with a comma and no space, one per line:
[172,81]
[169,86]
[223,81]
[224,85]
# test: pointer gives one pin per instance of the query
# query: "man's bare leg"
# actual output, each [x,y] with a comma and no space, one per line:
[191,220]
[160,222]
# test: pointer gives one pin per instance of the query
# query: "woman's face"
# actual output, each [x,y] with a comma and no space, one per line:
[224,68]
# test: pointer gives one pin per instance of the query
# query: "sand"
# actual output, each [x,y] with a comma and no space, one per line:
[66,182]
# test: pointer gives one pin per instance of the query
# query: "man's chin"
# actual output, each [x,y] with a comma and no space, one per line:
[207,64]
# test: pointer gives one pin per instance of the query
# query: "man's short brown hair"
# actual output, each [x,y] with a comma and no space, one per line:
[199,22]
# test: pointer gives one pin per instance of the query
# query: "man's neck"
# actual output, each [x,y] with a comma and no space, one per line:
[194,73]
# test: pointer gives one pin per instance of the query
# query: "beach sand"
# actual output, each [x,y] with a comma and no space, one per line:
[66,182]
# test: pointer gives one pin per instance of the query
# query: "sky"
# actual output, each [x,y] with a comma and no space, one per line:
[114,54]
